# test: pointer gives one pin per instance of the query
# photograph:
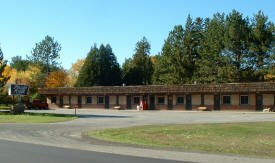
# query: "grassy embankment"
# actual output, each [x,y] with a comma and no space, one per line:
[250,139]
[6,117]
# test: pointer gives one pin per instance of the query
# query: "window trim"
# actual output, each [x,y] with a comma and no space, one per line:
[163,100]
[87,99]
[241,99]
[183,100]
[230,100]
[98,99]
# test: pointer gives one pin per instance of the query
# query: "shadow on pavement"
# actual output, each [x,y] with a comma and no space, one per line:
[100,116]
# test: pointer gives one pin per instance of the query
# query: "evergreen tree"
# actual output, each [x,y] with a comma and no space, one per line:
[171,64]
[100,68]
[180,54]
[213,66]
[163,72]
[45,54]
[109,70]
[139,70]
[236,44]
[89,73]
[19,64]
[261,45]
[130,74]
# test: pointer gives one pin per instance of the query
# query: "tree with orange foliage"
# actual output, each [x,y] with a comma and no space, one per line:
[57,79]
[3,64]
[74,72]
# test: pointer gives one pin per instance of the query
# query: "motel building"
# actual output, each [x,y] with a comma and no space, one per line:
[227,96]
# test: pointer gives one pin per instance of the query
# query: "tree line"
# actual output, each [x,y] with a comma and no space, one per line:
[224,48]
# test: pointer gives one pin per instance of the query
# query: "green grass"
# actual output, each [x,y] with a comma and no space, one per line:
[6,117]
[250,139]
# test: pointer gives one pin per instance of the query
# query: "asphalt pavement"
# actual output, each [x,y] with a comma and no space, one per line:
[69,134]
[14,152]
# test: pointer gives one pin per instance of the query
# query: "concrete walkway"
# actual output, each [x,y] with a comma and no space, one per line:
[68,134]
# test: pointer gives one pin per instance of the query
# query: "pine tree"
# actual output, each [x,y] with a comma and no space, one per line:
[213,66]
[172,62]
[88,75]
[139,69]
[109,70]
[261,45]
[100,68]
[236,43]
[46,54]
[180,54]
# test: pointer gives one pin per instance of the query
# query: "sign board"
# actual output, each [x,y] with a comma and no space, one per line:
[16,89]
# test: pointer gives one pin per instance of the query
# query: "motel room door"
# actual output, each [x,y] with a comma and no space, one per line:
[259,102]
[170,102]
[61,101]
[188,102]
[106,102]
[79,101]
[128,102]
[152,103]
[217,102]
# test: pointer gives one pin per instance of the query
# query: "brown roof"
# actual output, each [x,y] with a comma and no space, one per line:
[260,87]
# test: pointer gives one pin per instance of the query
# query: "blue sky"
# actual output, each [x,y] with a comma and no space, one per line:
[78,24]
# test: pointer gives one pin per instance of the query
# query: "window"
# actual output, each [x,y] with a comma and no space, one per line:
[244,99]
[88,100]
[136,100]
[226,100]
[53,99]
[161,100]
[100,100]
[180,100]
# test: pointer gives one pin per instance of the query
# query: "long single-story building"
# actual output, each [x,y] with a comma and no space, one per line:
[226,96]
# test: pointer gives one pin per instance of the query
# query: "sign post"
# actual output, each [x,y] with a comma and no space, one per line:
[75,107]
[18,90]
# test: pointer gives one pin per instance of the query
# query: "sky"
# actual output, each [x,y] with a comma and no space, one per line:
[79,24]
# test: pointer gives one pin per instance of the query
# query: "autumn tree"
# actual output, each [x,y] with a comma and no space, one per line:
[4,77]
[33,77]
[57,79]
[73,72]
[3,64]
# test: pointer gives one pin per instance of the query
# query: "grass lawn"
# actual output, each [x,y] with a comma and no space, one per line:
[6,117]
[250,139]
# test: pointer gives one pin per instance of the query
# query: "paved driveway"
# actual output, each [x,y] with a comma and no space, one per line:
[68,134]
